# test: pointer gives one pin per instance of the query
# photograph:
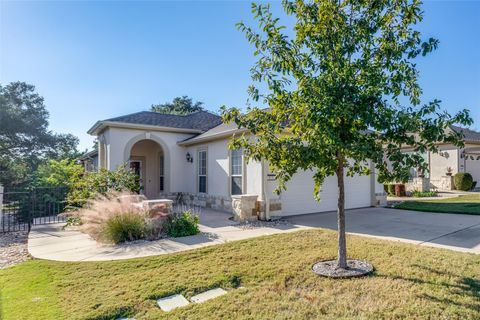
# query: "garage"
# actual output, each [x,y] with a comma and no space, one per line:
[298,198]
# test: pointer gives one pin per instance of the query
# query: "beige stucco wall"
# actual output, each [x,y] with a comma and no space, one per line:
[218,170]
[119,141]
[448,156]
[180,175]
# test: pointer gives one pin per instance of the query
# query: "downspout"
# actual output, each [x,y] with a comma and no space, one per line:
[263,195]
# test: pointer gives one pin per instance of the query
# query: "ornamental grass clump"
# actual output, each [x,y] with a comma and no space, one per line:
[118,217]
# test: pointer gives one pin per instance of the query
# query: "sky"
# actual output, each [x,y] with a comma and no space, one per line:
[93,60]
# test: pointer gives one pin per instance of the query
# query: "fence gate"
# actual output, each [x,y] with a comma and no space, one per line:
[20,209]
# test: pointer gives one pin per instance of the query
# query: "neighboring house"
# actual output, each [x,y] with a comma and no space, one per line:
[89,161]
[187,157]
[466,159]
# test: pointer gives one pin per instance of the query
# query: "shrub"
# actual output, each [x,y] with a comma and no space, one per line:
[391,189]
[422,194]
[125,226]
[118,217]
[463,181]
[93,183]
[474,185]
[73,220]
[58,173]
[183,224]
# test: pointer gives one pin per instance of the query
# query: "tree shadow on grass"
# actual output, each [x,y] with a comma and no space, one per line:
[461,287]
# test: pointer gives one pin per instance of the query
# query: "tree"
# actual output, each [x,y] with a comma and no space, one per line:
[180,105]
[58,173]
[25,140]
[342,90]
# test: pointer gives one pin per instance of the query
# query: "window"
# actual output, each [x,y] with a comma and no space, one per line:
[202,171]
[161,183]
[236,171]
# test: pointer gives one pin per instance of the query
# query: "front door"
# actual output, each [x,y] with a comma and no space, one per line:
[136,167]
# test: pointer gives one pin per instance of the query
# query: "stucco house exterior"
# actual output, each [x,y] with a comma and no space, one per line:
[466,159]
[187,156]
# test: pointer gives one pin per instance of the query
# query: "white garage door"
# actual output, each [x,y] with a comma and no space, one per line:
[298,198]
[472,166]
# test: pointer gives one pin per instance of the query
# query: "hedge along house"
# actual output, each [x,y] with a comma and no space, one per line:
[187,157]
[449,157]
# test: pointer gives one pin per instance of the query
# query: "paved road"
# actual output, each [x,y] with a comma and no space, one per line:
[454,231]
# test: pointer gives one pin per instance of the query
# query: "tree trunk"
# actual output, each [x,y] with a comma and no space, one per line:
[342,243]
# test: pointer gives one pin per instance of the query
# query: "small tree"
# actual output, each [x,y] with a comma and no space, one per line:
[94,183]
[180,105]
[342,92]
[58,173]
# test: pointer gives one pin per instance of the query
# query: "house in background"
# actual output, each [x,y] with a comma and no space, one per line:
[450,158]
[89,161]
[187,156]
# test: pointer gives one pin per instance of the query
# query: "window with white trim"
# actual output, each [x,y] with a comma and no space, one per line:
[236,171]
[202,171]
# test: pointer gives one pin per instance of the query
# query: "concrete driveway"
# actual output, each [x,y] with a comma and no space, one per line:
[453,231]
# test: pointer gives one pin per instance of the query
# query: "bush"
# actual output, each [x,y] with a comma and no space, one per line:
[58,173]
[116,217]
[474,185]
[422,194]
[183,224]
[391,189]
[125,226]
[463,181]
[94,183]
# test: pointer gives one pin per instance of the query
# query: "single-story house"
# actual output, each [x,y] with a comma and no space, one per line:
[89,161]
[451,159]
[187,156]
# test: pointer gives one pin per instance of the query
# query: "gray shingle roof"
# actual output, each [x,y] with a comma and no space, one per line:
[201,120]
[469,135]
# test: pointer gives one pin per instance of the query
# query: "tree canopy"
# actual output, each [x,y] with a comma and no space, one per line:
[180,105]
[25,140]
[342,91]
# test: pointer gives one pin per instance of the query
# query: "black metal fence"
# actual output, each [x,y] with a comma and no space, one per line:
[20,209]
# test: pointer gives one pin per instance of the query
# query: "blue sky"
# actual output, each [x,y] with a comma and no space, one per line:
[96,60]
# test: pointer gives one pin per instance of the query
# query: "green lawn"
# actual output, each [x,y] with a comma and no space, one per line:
[467,204]
[410,282]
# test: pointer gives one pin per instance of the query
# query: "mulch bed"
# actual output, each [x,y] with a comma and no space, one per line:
[13,248]
[355,268]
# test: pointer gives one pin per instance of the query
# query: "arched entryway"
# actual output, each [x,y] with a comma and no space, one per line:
[147,159]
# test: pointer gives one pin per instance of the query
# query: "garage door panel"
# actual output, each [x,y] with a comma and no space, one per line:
[299,199]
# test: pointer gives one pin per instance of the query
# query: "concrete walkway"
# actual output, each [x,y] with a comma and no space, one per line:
[457,232]
[51,242]
[452,231]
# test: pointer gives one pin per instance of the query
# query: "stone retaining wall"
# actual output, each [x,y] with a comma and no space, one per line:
[202,200]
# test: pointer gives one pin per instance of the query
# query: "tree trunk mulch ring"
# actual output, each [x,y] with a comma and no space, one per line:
[330,269]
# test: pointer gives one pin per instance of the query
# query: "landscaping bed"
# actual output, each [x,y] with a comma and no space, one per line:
[465,204]
[13,248]
[408,282]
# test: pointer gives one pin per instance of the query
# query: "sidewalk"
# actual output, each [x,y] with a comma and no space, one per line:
[51,242]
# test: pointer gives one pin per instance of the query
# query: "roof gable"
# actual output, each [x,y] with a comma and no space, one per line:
[468,135]
[200,121]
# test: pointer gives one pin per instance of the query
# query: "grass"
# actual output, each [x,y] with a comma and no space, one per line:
[466,204]
[410,282]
